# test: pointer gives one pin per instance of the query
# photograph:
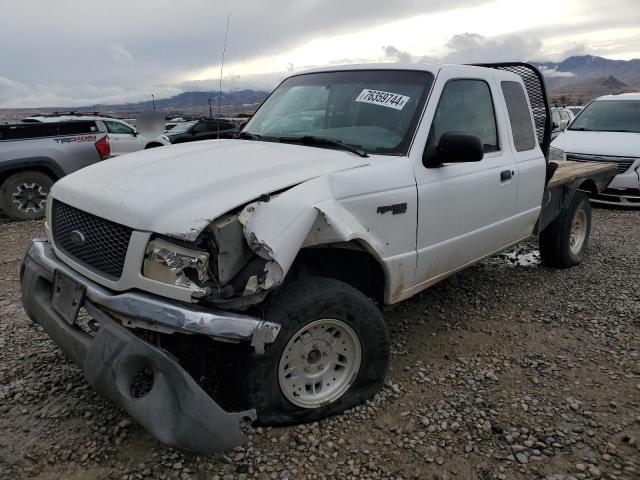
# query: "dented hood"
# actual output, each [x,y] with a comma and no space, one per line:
[177,190]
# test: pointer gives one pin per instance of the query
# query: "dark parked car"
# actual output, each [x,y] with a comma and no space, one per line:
[201,130]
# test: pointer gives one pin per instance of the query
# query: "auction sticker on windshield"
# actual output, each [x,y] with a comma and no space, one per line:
[384,99]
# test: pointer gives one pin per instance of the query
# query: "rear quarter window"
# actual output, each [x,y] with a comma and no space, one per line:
[524,137]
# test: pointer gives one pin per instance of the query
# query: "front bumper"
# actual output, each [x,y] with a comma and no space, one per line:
[628,197]
[175,409]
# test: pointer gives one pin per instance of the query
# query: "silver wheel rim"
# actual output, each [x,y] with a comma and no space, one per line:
[578,231]
[319,363]
[29,197]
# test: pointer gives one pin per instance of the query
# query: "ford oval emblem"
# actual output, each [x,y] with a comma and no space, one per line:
[77,238]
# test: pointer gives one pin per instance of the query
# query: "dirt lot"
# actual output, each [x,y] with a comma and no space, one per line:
[508,370]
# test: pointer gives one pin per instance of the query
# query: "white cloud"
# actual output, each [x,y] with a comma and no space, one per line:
[155,48]
[554,72]
[475,48]
[119,54]
[392,53]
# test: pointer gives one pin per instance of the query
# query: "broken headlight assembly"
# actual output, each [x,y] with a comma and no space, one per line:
[169,263]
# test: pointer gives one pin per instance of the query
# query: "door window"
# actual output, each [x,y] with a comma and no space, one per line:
[466,106]
[116,127]
[202,127]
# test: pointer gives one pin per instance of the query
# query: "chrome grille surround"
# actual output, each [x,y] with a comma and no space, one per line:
[622,163]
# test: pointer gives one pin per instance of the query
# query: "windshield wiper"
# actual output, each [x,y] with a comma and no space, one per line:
[310,140]
[248,136]
[581,129]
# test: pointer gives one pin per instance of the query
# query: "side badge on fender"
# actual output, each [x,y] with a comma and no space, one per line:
[394,209]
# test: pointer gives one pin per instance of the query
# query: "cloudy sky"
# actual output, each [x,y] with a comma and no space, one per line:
[78,52]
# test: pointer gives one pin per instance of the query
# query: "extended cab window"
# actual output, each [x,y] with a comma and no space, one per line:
[115,127]
[519,116]
[466,106]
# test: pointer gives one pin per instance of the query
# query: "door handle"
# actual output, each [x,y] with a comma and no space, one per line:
[506,175]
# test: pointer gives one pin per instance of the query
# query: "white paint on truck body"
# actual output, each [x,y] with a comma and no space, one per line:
[449,218]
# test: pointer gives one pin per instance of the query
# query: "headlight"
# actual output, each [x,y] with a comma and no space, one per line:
[556,154]
[175,265]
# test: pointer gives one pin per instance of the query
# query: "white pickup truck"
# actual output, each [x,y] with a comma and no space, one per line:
[260,265]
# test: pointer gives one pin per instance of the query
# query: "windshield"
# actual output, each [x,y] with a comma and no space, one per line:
[609,116]
[374,110]
[182,127]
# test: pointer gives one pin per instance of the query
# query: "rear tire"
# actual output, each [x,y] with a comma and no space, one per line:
[24,195]
[564,242]
[331,354]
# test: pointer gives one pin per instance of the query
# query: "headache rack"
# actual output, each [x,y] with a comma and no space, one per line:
[537,93]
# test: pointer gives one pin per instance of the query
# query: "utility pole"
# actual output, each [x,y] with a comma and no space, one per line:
[153,99]
[210,112]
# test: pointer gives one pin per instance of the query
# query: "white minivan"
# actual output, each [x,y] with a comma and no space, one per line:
[607,130]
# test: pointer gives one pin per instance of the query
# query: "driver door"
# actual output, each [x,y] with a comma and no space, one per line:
[465,210]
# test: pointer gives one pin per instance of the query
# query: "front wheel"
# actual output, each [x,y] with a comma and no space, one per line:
[24,195]
[331,354]
[564,242]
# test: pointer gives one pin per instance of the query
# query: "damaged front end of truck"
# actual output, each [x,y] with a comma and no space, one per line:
[225,269]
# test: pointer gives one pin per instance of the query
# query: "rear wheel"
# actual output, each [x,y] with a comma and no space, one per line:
[331,354]
[564,242]
[24,195]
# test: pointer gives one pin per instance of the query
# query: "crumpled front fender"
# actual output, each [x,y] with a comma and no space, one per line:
[303,216]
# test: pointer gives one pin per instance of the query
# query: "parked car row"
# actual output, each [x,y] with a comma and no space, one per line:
[561,117]
[607,130]
[123,137]
[201,130]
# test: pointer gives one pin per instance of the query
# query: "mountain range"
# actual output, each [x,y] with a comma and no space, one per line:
[238,100]
[573,81]
[578,79]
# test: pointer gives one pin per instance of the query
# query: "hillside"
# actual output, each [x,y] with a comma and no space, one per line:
[244,99]
[578,79]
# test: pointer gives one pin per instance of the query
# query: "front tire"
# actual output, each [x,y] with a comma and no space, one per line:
[24,195]
[331,354]
[564,242]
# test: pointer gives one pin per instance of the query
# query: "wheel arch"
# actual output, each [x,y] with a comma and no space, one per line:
[38,164]
[352,262]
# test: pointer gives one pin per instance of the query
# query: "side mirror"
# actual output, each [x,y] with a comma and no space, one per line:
[135,133]
[454,148]
[555,126]
[241,126]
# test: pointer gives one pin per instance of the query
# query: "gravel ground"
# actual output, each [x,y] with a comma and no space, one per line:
[508,370]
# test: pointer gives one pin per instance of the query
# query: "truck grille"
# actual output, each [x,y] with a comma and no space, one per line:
[622,163]
[98,243]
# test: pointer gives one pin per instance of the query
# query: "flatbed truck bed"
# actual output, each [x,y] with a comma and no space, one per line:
[568,171]
[569,177]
